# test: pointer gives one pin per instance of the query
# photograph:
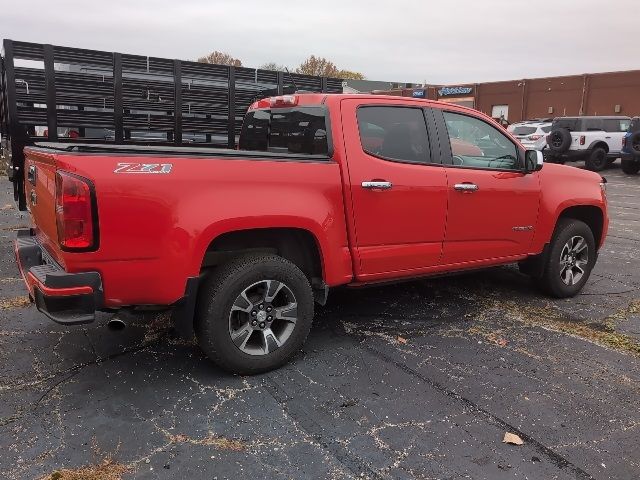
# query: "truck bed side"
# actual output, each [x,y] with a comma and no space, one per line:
[156,228]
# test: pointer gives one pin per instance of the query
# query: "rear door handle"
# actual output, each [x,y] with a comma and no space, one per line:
[465,187]
[377,185]
[31,174]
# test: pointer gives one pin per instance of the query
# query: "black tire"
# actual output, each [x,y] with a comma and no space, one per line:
[634,142]
[597,160]
[630,167]
[551,280]
[223,287]
[559,140]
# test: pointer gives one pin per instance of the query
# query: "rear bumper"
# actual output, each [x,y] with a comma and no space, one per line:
[67,298]
[630,157]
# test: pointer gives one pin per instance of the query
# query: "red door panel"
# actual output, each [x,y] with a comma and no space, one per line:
[496,220]
[398,229]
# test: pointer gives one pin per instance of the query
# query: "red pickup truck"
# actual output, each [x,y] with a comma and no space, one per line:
[324,190]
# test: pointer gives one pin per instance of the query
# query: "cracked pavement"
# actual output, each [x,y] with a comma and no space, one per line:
[418,380]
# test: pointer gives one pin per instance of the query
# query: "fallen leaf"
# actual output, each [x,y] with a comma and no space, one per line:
[401,340]
[8,206]
[512,438]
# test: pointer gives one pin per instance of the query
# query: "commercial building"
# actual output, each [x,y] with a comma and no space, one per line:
[610,93]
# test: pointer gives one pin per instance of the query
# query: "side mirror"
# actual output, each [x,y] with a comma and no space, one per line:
[533,161]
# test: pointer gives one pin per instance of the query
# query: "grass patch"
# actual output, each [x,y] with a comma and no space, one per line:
[15,302]
[106,470]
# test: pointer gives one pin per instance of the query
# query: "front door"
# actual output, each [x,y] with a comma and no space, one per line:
[398,191]
[493,205]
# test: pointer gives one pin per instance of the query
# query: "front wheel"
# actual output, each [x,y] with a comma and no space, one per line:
[254,313]
[630,167]
[572,256]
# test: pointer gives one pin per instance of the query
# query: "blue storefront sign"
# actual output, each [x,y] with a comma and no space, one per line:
[418,93]
[445,91]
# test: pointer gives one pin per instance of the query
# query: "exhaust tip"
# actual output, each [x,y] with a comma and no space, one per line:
[116,324]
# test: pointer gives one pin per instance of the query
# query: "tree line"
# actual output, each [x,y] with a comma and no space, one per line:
[318,66]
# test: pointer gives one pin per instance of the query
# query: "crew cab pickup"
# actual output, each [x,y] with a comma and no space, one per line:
[324,190]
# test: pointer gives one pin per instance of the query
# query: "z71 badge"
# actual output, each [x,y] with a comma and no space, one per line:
[143,168]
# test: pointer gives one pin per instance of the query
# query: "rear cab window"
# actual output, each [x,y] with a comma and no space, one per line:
[299,130]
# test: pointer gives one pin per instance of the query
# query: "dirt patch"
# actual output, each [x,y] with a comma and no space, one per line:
[15,302]
[107,470]
[602,333]
[220,443]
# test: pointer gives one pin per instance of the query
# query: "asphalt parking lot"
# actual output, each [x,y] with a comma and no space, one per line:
[418,380]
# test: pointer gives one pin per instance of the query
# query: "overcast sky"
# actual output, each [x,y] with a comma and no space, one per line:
[438,42]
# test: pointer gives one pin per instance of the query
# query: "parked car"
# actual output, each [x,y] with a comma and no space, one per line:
[532,135]
[325,190]
[631,148]
[596,140]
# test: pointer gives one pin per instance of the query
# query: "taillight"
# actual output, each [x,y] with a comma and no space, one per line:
[624,142]
[583,139]
[283,101]
[535,138]
[75,212]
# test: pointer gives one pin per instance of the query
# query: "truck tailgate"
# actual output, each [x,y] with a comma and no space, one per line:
[40,190]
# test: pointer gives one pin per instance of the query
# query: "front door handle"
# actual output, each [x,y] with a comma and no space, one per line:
[377,185]
[465,187]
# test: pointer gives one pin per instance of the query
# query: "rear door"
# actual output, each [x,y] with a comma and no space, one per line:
[493,205]
[397,188]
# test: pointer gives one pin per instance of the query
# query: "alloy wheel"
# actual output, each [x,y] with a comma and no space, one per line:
[263,317]
[574,258]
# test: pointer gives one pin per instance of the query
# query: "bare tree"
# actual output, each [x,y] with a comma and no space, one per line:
[220,58]
[323,67]
[276,67]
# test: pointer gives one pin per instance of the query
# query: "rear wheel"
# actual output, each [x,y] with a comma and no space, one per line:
[630,167]
[597,161]
[572,256]
[254,313]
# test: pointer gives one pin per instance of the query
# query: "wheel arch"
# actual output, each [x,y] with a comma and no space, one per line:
[592,215]
[599,144]
[298,245]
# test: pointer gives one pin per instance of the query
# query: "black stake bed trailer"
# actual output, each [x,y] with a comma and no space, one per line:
[61,94]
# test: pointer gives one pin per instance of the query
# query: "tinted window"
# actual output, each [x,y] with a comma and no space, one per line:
[634,126]
[592,124]
[570,124]
[394,133]
[616,124]
[299,130]
[476,144]
[524,130]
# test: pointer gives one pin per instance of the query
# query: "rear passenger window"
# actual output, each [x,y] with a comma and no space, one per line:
[616,125]
[476,144]
[300,130]
[394,133]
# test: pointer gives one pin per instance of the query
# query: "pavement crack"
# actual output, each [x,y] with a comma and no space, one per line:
[557,459]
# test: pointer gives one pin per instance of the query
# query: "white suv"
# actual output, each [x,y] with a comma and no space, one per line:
[596,140]
[532,135]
